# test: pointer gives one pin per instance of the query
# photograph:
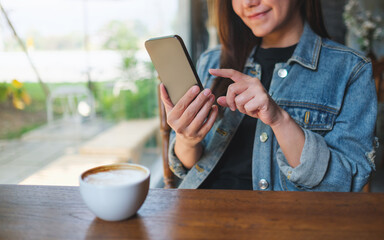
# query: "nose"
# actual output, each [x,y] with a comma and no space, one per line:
[251,3]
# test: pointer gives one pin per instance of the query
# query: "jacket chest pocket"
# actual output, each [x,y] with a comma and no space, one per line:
[317,118]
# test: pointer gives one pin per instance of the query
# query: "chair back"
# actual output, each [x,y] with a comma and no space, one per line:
[378,73]
[165,129]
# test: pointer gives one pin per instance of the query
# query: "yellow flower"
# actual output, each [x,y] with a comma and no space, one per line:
[16,84]
[26,98]
[17,103]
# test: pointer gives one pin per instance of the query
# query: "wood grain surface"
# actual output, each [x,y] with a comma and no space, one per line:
[47,212]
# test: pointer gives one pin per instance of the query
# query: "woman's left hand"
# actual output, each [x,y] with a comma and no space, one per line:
[248,95]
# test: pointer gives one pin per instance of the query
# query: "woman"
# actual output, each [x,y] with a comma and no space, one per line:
[297,110]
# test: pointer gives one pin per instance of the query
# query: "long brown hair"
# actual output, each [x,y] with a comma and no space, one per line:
[237,39]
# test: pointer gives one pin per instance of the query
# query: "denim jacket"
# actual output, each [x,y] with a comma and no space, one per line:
[328,90]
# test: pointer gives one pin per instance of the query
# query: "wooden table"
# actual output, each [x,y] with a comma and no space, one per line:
[42,212]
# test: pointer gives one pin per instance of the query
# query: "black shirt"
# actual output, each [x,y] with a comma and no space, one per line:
[234,169]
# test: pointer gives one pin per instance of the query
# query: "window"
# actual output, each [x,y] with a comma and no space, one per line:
[100,106]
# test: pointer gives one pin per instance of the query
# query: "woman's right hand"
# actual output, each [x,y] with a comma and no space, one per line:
[193,115]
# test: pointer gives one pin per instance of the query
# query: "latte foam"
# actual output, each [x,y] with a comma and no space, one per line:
[115,177]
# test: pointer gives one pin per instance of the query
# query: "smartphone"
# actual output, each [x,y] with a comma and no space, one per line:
[173,65]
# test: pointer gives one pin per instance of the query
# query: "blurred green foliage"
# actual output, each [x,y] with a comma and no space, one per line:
[118,36]
[140,99]
[129,104]
[16,93]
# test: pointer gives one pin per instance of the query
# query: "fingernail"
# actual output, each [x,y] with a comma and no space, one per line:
[207,92]
[211,98]
[195,89]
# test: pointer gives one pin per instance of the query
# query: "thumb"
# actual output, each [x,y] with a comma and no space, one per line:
[222,101]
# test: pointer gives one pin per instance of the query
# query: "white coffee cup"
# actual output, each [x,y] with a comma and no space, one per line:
[115,192]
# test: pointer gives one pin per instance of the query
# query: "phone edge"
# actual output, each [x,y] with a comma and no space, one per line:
[185,53]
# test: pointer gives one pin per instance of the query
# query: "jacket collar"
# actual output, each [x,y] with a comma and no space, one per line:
[307,52]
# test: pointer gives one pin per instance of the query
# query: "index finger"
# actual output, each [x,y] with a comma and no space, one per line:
[188,97]
[236,76]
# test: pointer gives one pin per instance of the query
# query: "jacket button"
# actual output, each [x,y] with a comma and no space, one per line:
[199,169]
[263,184]
[282,73]
[264,137]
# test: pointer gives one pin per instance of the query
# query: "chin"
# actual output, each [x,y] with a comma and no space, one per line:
[260,33]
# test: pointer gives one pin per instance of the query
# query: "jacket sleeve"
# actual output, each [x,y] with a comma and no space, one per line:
[174,163]
[343,159]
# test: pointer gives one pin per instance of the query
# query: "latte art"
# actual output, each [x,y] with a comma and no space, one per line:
[115,177]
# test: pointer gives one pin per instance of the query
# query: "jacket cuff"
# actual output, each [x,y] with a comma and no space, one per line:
[313,165]
[173,161]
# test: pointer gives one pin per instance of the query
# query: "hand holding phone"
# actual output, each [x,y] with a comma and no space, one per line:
[190,110]
[191,119]
[173,64]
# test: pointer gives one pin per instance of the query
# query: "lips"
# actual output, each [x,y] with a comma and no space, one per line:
[258,14]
